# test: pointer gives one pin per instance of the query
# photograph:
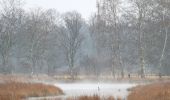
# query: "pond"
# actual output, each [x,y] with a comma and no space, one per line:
[90,89]
[101,89]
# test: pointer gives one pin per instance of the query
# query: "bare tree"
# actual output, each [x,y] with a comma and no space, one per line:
[52,28]
[90,64]
[10,15]
[140,12]
[71,38]
[38,28]
[108,10]
[164,14]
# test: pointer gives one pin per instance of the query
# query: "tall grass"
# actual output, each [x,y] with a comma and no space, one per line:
[158,91]
[18,91]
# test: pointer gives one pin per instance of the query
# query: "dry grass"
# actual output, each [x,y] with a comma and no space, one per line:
[110,98]
[94,97]
[158,91]
[119,98]
[18,91]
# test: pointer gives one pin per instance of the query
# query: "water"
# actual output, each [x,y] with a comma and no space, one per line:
[90,89]
[101,89]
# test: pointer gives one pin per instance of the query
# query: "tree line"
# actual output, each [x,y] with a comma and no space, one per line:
[122,37]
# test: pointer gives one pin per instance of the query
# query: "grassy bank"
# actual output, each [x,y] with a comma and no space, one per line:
[18,91]
[157,91]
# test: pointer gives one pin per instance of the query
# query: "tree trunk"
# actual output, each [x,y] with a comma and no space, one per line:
[141,51]
[165,41]
[71,65]
[5,64]
[113,71]
[164,47]
[142,63]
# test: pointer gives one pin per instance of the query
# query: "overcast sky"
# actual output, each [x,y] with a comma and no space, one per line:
[85,7]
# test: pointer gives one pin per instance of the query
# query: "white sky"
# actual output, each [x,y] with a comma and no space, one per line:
[85,7]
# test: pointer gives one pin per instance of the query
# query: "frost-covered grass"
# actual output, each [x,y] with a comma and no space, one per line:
[157,91]
[18,90]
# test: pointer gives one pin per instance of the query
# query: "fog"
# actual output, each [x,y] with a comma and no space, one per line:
[102,89]
[117,41]
[89,89]
[114,44]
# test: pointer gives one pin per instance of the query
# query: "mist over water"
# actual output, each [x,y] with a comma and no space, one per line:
[101,89]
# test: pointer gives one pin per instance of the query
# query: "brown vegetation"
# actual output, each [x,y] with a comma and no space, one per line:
[18,91]
[95,97]
[158,91]
[119,98]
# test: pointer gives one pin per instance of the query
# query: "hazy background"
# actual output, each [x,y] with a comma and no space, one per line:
[85,7]
[85,37]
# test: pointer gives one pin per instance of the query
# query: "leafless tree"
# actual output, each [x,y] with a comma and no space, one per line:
[71,38]
[10,15]
[164,14]
[140,12]
[108,10]
[38,28]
